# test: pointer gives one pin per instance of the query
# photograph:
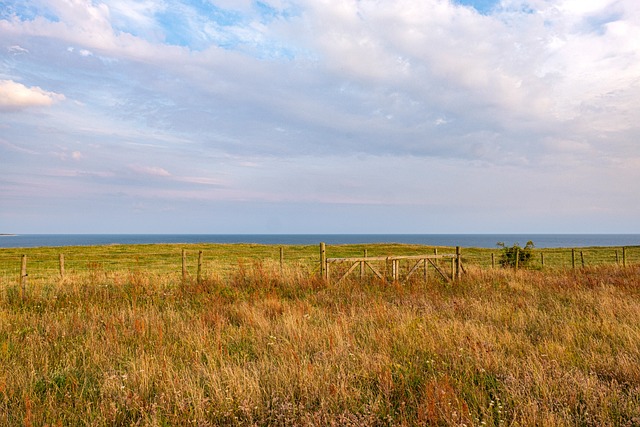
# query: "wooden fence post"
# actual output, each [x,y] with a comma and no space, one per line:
[324,274]
[426,270]
[61,262]
[281,259]
[458,263]
[542,258]
[573,259]
[23,275]
[493,260]
[582,258]
[199,276]
[435,252]
[362,266]
[617,258]
[184,265]
[624,256]
[517,258]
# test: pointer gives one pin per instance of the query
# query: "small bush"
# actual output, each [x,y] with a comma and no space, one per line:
[512,253]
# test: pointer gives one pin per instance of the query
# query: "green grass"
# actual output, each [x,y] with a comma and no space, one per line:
[224,259]
[128,343]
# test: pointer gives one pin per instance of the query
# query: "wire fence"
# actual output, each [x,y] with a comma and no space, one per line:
[564,258]
[174,263]
[177,262]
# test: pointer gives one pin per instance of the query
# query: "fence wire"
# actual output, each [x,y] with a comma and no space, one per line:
[224,260]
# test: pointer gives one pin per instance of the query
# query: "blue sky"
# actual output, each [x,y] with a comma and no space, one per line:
[482,6]
[333,116]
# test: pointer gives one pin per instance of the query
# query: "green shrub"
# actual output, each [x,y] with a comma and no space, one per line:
[515,253]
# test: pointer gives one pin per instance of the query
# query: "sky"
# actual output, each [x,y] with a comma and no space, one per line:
[319,116]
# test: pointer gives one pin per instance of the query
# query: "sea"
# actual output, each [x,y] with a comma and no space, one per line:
[462,240]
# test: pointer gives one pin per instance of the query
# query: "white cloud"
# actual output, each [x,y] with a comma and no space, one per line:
[200,181]
[65,155]
[73,173]
[407,65]
[141,14]
[16,49]
[239,5]
[582,7]
[155,171]
[16,96]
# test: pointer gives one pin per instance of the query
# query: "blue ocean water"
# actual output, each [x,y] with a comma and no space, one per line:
[463,240]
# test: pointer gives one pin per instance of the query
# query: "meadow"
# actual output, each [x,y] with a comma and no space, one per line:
[122,339]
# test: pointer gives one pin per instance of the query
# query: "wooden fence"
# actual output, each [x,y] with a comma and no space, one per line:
[180,264]
[37,265]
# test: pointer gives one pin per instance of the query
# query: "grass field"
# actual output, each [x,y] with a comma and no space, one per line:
[122,340]
[222,260]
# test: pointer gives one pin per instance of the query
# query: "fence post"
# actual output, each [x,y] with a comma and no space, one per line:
[517,258]
[23,275]
[61,262]
[542,258]
[435,252]
[199,277]
[426,270]
[582,258]
[281,259]
[617,258]
[362,266]
[624,256]
[493,260]
[458,263]
[573,259]
[323,261]
[184,265]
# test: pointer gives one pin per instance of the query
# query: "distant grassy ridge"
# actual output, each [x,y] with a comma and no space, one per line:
[223,259]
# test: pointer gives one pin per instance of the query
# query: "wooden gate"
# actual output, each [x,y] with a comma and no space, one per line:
[416,262]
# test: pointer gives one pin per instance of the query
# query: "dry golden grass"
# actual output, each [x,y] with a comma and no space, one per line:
[265,347]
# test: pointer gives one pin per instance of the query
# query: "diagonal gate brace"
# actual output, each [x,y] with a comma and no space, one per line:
[444,276]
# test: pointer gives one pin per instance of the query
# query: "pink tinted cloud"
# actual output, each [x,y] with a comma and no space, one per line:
[16,96]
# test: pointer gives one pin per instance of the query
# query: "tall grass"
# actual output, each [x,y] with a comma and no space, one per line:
[265,346]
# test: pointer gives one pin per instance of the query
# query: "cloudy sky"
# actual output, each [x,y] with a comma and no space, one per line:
[319,116]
